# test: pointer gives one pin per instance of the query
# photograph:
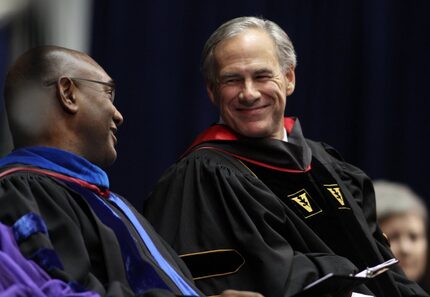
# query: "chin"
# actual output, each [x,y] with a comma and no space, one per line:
[255,127]
[108,160]
[255,132]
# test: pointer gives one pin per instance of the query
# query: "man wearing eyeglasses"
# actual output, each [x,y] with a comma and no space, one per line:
[54,193]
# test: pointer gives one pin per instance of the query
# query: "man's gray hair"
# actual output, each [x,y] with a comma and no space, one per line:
[283,44]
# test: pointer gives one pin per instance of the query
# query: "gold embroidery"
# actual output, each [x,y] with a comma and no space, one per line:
[308,207]
[335,191]
[303,201]
[386,237]
[216,251]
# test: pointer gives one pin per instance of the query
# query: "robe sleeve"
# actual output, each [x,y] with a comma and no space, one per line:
[237,232]
[70,249]
[361,187]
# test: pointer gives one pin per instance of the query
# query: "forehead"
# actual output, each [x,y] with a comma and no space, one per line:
[252,47]
[88,68]
[404,221]
[94,72]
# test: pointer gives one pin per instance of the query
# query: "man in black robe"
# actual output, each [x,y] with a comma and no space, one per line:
[252,204]
[54,194]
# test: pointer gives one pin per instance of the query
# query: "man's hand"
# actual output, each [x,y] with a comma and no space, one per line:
[234,293]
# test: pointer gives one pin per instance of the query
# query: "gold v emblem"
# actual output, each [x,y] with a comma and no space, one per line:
[306,205]
[303,201]
[335,191]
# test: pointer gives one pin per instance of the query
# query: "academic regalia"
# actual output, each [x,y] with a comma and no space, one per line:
[22,277]
[65,219]
[270,216]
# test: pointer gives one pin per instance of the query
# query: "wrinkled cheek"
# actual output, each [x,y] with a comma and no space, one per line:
[226,109]
[279,112]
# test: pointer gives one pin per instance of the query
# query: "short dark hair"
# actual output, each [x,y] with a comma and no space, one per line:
[25,77]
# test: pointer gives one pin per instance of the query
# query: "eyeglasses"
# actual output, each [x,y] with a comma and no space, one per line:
[111,85]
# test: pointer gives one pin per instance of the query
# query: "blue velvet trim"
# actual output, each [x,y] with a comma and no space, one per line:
[47,259]
[59,161]
[141,275]
[167,268]
[76,287]
[28,225]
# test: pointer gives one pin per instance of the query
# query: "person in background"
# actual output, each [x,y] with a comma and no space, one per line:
[253,204]
[403,217]
[55,195]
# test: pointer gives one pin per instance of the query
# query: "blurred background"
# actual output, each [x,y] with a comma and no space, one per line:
[362,76]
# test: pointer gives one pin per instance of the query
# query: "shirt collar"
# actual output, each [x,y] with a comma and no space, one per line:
[285,138]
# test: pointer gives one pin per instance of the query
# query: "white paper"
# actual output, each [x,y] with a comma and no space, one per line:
[375,270]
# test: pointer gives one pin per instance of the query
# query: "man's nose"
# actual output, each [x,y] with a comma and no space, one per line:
[249,92]
[117,117]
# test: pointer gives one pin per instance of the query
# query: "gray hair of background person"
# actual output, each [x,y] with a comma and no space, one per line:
[396,198]
[284,46]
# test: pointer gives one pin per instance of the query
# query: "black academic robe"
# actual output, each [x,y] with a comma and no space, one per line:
[88,250]
[265,215]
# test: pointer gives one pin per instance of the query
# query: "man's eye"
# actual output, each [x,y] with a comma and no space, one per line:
[263,77]
[111,94]
[110,91]
[231,81]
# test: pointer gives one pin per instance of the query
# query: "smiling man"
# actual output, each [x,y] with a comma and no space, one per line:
[54,192]
[252,204]
[251,87]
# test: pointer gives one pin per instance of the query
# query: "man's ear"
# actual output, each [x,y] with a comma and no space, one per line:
[211,93]
[291,80]
[67,94]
